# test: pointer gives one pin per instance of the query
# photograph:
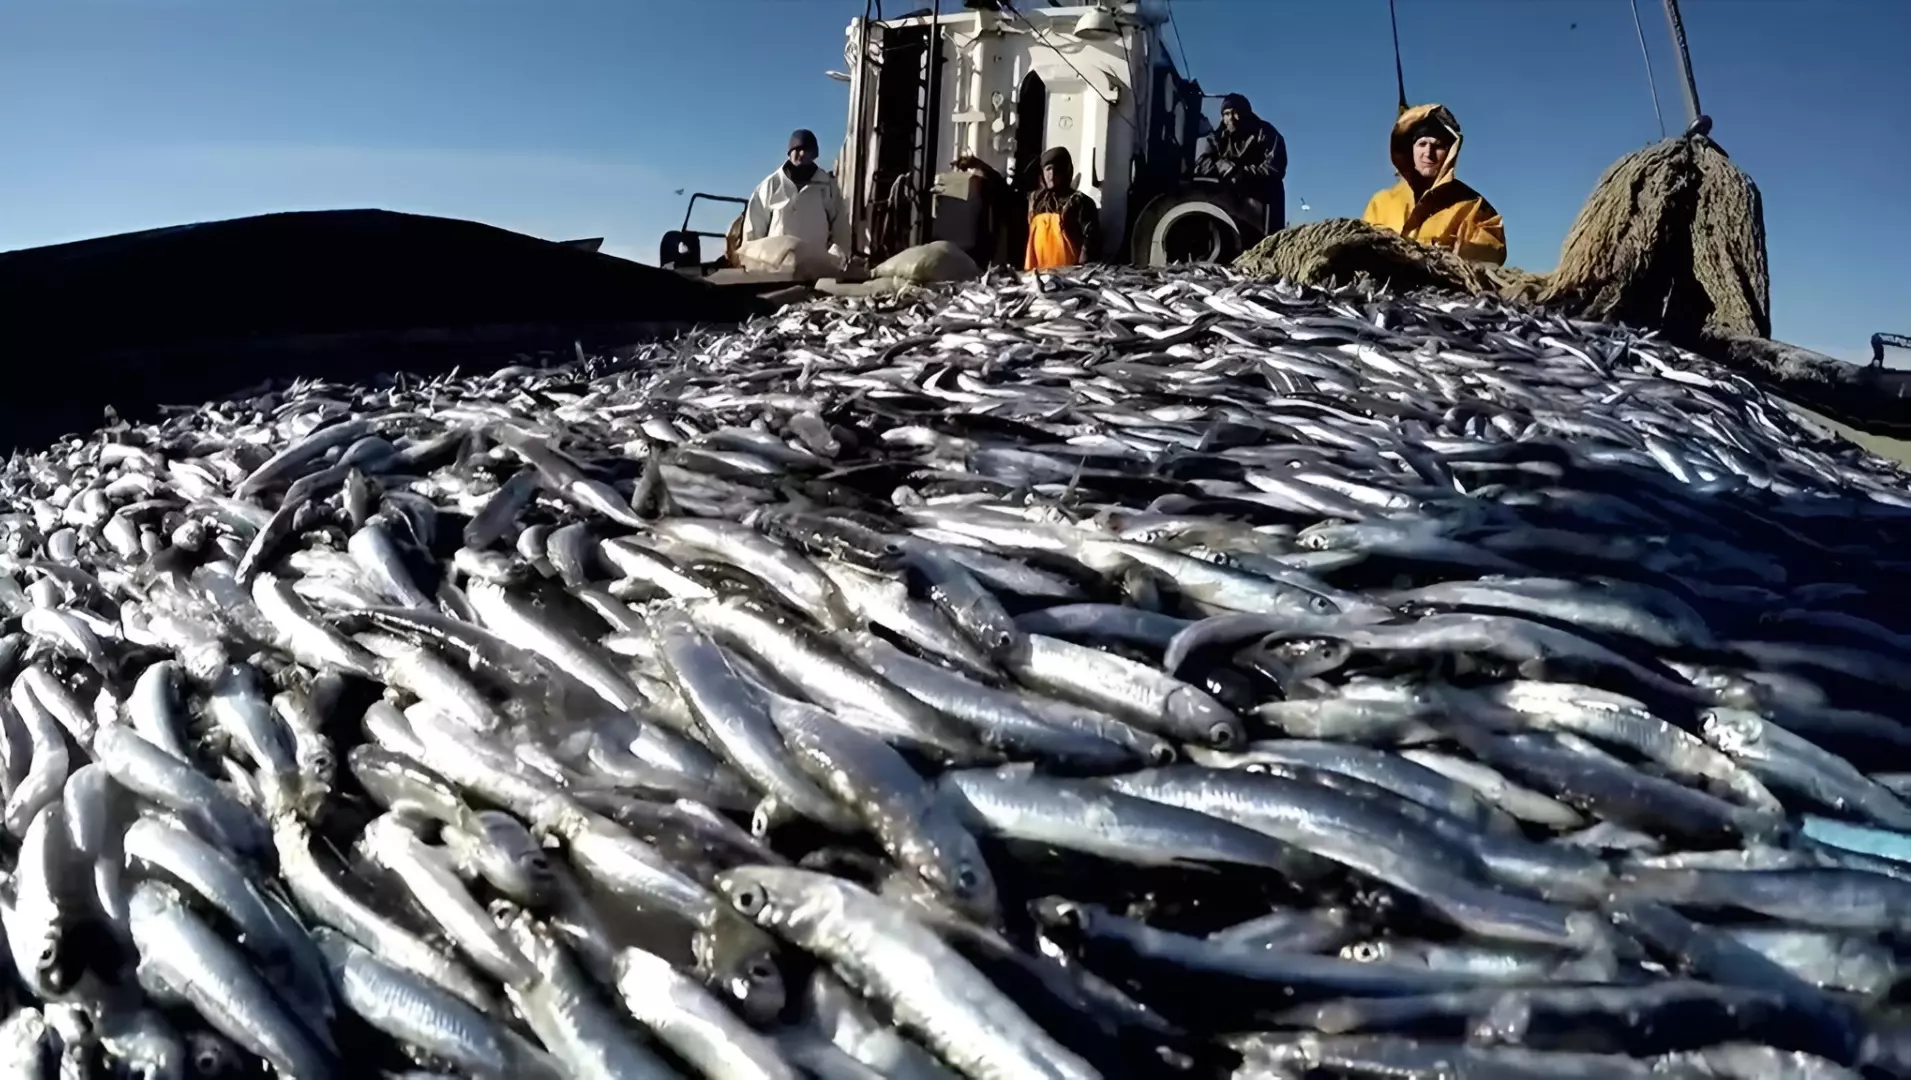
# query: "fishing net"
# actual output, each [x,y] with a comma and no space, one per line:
[1673,238]
[1343,250]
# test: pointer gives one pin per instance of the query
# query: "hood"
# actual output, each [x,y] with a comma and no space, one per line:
[1402,151]
[1058,156]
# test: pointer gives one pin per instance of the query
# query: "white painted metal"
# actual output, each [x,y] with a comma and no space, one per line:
[1099,91]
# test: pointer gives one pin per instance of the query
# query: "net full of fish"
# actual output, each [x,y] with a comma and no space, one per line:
[1103,674]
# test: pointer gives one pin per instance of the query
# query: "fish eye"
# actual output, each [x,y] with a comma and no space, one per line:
[760,823]
[749,899]
[51,972]
[966,879]
[1065,914]
[1222,734]
[760,971]
[1162,754]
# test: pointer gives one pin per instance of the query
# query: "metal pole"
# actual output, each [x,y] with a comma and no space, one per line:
[1399,74]
[858,136]
[1692,112]
[925,194]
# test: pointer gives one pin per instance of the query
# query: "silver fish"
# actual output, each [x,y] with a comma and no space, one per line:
[1230,623]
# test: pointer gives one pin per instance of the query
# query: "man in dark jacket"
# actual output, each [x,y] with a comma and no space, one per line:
[1249,155]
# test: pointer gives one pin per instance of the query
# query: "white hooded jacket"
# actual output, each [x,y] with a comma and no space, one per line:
[813,213]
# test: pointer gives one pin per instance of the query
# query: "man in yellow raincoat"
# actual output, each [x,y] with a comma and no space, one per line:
[1430,204]
[1064,225]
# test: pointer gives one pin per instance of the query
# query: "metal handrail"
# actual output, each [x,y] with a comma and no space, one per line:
[1879,341]
[688,210]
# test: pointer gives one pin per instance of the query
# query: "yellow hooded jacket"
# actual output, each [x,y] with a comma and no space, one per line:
[1448,213]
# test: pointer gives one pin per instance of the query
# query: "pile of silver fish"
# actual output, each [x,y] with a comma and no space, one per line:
[1095,674]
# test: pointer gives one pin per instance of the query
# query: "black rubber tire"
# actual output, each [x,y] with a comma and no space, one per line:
[1154,235]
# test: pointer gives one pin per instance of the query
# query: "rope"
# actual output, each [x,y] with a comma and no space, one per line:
[1651,82]
[1399,74]
[1672,239]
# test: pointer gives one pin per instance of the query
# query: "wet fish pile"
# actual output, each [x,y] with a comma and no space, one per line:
[1104,674]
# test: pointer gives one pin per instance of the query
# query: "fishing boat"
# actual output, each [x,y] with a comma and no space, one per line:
[1003,82]
[199,310]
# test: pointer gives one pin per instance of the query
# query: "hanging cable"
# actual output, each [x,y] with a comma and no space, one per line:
[1399,74]
[1651,82]
[1063,57]
[1059,54]
[1187,69]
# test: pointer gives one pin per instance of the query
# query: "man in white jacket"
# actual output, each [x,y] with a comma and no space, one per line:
[800,200]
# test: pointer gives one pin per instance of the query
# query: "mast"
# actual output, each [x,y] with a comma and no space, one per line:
[1399,73]
[1692,113]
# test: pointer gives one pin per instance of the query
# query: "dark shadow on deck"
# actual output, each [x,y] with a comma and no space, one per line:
[182,314]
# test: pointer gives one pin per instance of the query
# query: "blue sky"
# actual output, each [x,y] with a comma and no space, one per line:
[566,118]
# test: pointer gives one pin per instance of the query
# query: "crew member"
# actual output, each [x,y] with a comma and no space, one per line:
[1430,204]
[799,199]
[1064,226]
[1249,155]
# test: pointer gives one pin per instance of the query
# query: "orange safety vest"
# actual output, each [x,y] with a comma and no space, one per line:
[1049,245]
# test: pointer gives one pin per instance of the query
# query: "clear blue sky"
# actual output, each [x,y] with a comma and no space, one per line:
[566,118]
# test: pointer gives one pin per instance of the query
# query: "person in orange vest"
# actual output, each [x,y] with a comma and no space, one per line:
[1064,225]
[1430,204]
